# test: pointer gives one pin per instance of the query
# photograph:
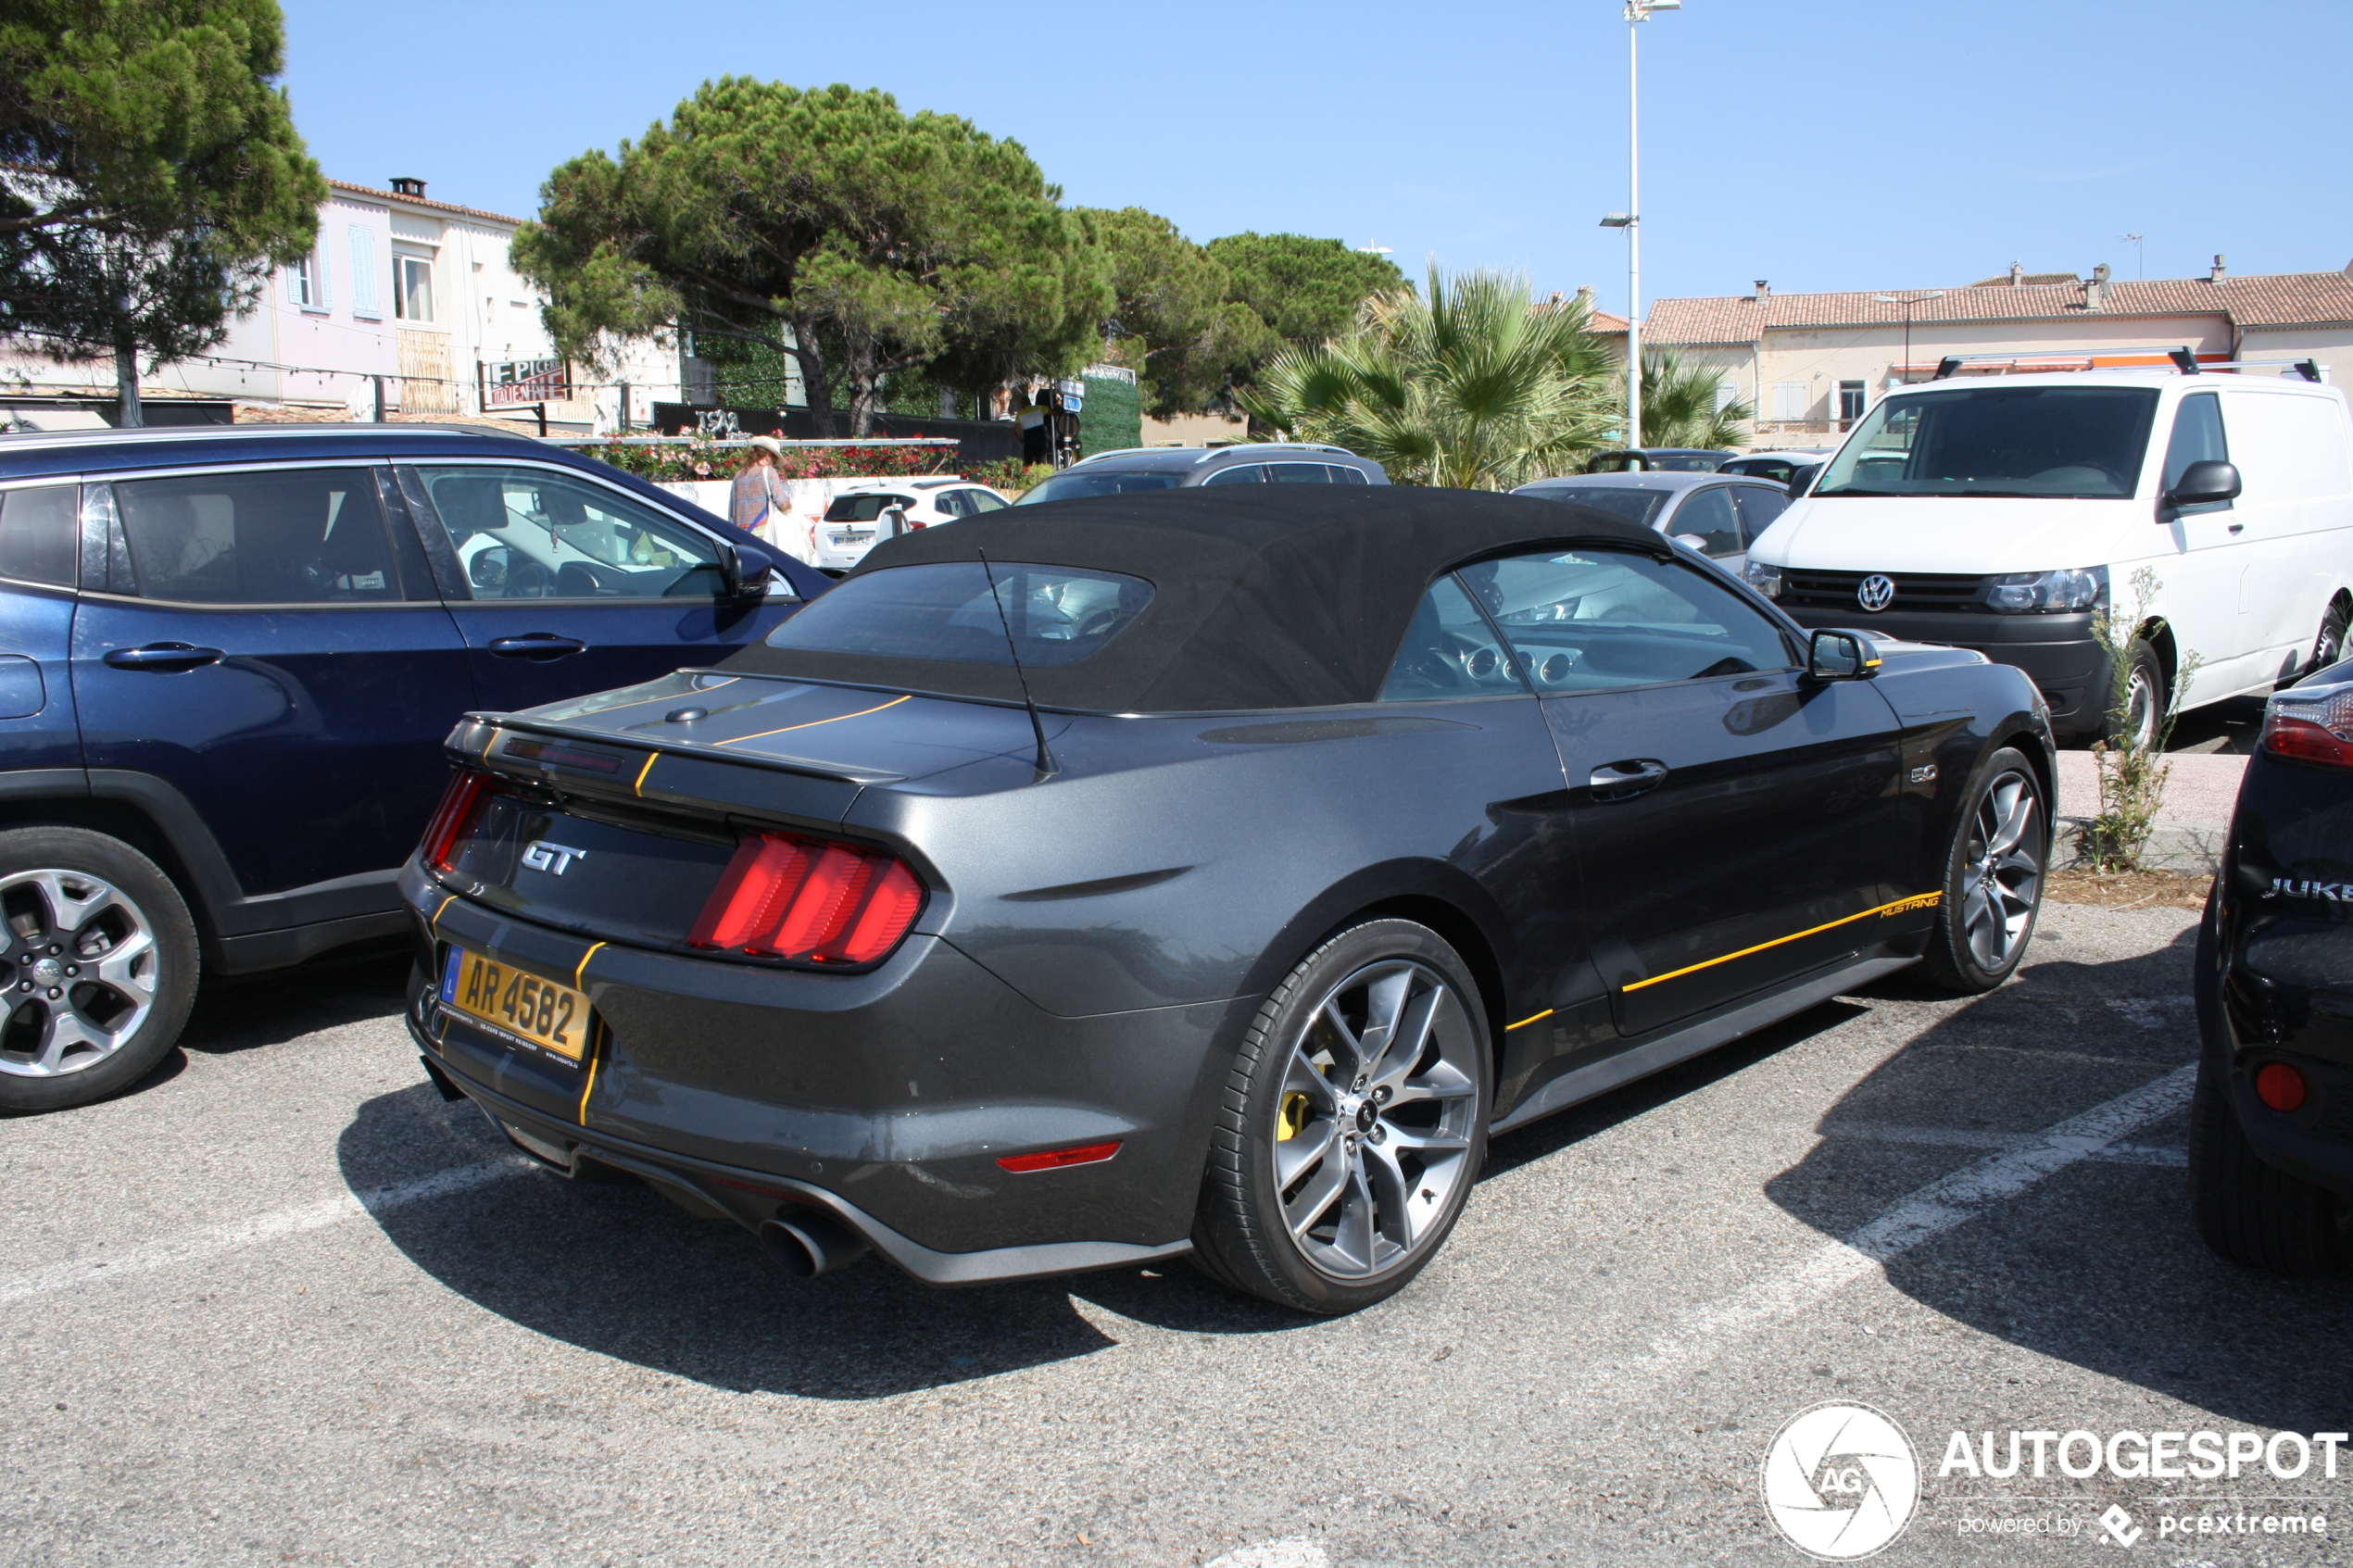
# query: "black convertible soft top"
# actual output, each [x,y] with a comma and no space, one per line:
[1264,596]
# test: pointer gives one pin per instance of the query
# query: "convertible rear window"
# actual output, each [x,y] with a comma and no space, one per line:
[1057,614]
[2073,442]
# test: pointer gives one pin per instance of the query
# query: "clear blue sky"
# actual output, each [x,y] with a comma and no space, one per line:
[1820,143]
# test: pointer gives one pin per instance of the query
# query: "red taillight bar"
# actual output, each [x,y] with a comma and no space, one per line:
[807,902]
[449,824]
[1054,1159]
[2286,736]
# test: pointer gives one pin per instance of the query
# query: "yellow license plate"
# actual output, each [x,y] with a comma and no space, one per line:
[521,1008]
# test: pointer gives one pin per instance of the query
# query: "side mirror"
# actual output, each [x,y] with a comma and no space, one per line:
[1692,542]
[488,568]
[1840,656]
[737,582]
[2204,483]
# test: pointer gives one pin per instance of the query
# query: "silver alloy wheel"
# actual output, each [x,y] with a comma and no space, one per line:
[2140,708]
[2003,870]
[80,967]
[1373,1128]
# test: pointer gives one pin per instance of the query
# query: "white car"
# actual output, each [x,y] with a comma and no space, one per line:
[857,515]
[2006,513]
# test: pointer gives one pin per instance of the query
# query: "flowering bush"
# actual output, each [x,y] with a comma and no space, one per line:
[1010,474]
[712,459]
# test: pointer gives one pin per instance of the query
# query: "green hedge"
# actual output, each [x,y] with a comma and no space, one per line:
[1113,417]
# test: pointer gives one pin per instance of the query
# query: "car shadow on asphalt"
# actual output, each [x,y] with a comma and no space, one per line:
[614,1268]
[244,1012]
[2099,1265]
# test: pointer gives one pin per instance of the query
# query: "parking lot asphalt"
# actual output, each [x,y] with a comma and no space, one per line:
[282,1304]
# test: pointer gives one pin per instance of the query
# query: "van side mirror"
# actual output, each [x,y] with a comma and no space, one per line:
[1840,656]
[2204,483]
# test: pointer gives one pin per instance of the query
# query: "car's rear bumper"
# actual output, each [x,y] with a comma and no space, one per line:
[886,1098]
[2057,652]
[2274,1006]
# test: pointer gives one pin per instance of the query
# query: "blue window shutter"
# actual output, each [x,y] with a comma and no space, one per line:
[364,298]
[294,285]
[319,269]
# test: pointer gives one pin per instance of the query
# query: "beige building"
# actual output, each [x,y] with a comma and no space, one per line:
[405,299]
[1810,364]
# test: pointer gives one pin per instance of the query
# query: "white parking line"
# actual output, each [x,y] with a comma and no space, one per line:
[1942,1205]
[1973,1137]
[240,1234]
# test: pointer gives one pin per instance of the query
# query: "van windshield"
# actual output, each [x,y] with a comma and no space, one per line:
[2074,442]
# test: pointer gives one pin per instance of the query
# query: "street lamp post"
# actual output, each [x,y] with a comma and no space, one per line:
[1907,304]
[1637,12]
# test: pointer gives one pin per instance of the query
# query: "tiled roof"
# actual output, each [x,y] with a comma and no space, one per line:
[372,193]
[2280,299]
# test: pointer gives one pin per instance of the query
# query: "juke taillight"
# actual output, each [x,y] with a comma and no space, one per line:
[2311,727]
[459,804]
[809,901]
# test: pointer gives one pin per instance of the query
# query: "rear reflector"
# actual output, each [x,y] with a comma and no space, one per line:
[458,804]
[2280,1086]
[1054,1159]
[809,901]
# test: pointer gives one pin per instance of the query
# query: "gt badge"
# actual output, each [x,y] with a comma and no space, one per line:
[543,856]
[1877,592]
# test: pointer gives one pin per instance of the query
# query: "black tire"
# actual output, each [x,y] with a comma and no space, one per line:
[126,1001]
[2328,645]
[1242,1235]
[1959,958]
[2252,1213]
[2144,695]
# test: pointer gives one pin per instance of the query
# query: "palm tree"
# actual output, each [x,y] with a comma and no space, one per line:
[1469,383]
[1679,409]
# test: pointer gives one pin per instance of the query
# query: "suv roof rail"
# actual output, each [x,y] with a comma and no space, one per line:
[1273,447]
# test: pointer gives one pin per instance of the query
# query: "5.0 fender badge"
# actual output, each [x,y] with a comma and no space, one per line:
[543,856]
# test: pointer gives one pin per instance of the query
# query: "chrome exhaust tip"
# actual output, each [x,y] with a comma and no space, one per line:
[809,1244]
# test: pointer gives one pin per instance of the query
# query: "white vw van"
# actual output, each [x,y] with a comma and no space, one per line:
[2000,513]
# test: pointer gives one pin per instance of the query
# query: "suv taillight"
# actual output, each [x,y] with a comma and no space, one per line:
[2315,727]
[809,901]
[459,804]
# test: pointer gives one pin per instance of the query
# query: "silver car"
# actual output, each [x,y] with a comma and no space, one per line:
[1715,514]
[1171,468]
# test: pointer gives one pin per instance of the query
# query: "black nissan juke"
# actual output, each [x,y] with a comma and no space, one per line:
[1120,879]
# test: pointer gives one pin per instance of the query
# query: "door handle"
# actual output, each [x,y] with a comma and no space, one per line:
[168,659]
[1623,781]
[538,646]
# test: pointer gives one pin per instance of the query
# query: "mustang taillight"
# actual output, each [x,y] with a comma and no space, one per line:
[809,901]
[459,804]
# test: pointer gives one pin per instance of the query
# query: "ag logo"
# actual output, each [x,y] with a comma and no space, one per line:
[1877,592]
[1840,1481]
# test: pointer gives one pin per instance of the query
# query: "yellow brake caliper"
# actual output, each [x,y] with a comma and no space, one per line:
[1293,1119]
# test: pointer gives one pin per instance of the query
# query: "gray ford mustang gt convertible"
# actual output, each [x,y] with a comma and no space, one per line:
[1199,872]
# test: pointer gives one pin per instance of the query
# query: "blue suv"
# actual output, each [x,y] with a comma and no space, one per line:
[228,659]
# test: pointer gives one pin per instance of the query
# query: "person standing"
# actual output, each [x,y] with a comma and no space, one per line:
[759,496]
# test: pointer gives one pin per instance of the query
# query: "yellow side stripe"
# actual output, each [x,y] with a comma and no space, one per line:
[651,758]
[431,926]
[814,722]
[1525,1021]
[580,975]
[1916,901]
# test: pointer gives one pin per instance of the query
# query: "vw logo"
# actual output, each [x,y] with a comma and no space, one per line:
[1840,1481]
[1877,592]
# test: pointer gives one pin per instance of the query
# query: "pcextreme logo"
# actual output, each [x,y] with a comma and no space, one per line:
[1840,1481]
